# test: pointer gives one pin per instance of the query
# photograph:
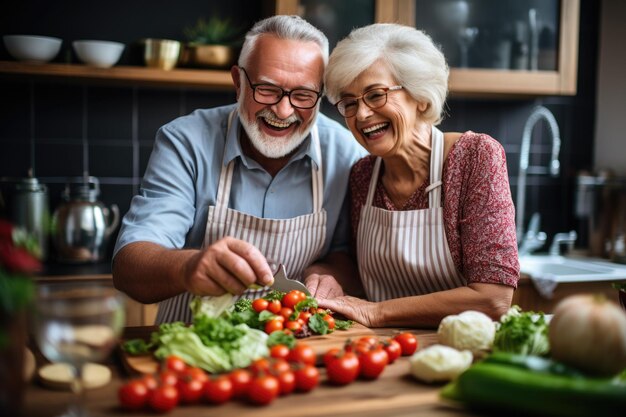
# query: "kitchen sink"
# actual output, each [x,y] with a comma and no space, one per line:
[569,269]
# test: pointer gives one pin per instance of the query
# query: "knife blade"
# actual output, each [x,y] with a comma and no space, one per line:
[284,284]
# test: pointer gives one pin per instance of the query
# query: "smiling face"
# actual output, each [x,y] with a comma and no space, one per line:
[383,130]
[276,130]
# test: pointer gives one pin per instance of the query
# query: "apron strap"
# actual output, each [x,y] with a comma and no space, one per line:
[373,181]
[317,177]
[436,167]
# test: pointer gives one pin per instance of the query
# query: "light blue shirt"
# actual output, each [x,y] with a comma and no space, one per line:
[182,177]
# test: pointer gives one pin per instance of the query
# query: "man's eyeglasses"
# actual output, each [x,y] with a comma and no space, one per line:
[300,98]
[374,98]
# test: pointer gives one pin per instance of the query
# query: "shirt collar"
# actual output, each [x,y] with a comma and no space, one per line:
[233,148]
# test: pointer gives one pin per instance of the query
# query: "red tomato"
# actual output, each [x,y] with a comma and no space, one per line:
[263,389]
[342,367]
[163,398]
[368,340]
[408,343]
[302,353]
[294,325]
[307,378]
[260,304]
[393,348]
[304,315]
[240,379]
[373,363]
[190,391]
[275,306]
[273,325]
[168,377]
[259,366]
[174,363]
[133,395]
[279,351]
[292,298]
[287,381]
[286,312]
[193,372]
[330,354]
[149,381]
[218,390]
[330,320]
[278,366]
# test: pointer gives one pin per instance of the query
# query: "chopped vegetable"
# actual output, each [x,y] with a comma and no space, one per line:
[520,332]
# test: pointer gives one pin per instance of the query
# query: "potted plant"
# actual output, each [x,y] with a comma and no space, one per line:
[211,43]
[19,254]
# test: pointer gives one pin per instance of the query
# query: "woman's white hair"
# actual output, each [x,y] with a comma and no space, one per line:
[284,27]
[414,60]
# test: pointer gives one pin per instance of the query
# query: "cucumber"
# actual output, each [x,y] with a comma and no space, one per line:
[504,388]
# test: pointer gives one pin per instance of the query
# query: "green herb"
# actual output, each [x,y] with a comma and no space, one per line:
[214,31]
[281,338]
[343,324]
[524,333]
[243,304]
[136,347]
[305,304]
[274,295]
[318,324]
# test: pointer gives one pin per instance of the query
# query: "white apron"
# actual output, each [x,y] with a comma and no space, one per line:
[405,253]
[295,242]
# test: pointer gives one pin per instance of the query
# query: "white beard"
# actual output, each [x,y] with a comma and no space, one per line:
[271,146]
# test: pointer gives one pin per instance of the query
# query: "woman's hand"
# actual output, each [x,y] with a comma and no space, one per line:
[353,308]
[323,286]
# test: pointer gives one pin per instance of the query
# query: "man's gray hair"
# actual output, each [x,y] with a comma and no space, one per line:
[283,27]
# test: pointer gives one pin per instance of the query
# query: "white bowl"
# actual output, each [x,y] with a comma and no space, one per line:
[102,54]
[32,48]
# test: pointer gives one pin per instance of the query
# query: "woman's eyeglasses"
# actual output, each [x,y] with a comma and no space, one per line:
[374,98]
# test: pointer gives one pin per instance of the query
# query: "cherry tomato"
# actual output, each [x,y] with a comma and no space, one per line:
[259,366]
[287,381]
[393,348]
[263,389]
[292,298]
[373,363]
[302,353]
[304,315]
[163,398]
[260,304]
[294,325]
[275,306]
[190,391]
[279,351]
[240,379]
[368,340]
[278,366]
[330,320]
[342,368]
[273,325]
[307,378]
[168,377]
[330,355]
[408,343]
[133,395]
[150,381]
[193,372]
[286,312]
[218,390]
[174,363]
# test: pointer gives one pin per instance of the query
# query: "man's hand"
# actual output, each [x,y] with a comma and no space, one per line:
[228,265]
[323,286]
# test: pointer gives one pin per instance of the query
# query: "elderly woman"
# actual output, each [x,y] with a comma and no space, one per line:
[432,214]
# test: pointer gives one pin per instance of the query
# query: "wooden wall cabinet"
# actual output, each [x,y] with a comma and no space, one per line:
[463,81]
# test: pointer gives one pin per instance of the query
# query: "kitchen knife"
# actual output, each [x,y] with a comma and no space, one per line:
[284,284]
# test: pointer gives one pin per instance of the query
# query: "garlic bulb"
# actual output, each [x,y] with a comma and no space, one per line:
[589,333]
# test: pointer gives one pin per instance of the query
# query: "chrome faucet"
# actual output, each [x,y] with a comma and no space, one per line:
[559,238]
[534,239]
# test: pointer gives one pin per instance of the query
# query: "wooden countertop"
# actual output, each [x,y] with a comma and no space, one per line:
[395,393]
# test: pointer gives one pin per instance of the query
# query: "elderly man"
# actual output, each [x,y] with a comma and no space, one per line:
[232,191]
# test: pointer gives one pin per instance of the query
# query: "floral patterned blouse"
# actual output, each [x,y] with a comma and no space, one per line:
[478,212]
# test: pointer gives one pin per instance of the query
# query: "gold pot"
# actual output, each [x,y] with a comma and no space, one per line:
[209,56]
[161,53]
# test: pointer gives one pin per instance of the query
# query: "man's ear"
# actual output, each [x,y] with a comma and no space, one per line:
[235,74]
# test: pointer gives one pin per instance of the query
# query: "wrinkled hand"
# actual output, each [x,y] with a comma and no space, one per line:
[228,265]
[353,308]
[323,286]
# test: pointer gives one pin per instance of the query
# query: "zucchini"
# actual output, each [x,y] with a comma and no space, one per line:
[512,389]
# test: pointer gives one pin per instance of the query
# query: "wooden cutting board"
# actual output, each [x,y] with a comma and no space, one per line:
[148,364]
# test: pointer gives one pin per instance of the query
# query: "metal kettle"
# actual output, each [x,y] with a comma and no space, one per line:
[82,224]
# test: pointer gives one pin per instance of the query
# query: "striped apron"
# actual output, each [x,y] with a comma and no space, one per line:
[295,242]
[405,253]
